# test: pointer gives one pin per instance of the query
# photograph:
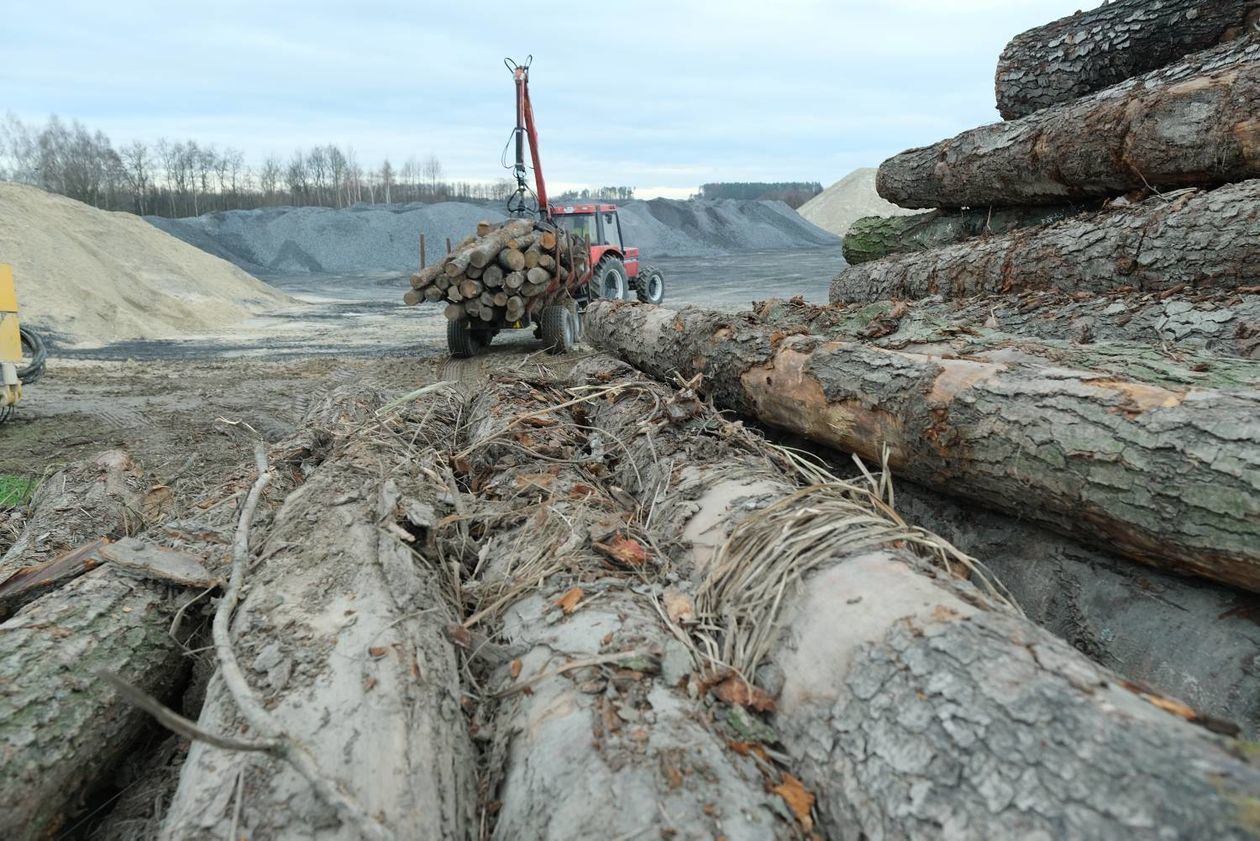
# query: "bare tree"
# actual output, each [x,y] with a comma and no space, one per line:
[387,181]
[432,172]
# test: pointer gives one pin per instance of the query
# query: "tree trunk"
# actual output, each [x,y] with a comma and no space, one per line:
[1191,124]
[1188,639]
[874,237]
[1088,51]
[61,728]
[343,637]
[645,756]
[1196,239]
[90,499]
[994,332]
[913,704]
[1117,462]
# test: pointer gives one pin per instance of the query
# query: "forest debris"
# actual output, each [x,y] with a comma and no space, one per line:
[142,559]
[798,799]
[736,690]
[624,550]
[570,600]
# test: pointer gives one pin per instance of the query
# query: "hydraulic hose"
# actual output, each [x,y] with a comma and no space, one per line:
[34,349]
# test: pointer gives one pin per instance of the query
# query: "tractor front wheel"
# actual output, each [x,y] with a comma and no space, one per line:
[649,286]
[608,281]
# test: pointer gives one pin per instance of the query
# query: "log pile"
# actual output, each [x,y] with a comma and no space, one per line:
[499,274]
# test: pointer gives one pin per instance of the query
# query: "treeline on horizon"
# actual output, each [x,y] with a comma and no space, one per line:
[177,178]
[792,193]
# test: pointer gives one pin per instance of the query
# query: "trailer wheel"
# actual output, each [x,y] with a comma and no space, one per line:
[465,341]
[559,328]
[609,280]
[649,286]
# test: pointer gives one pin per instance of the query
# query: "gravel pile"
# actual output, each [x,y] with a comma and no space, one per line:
[368,238]
[848,200]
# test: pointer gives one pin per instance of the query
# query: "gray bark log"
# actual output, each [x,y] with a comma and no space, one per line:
[912,706]
[1191,124]
[61,727]
[1196,239]
[343,634]
[1167,477]
[993,330]
[1089,51]
[632,754]
[875,237]
[1187,639]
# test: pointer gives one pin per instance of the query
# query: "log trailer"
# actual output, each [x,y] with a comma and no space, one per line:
[612,266]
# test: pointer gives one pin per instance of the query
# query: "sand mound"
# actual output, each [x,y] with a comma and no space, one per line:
[368,238]
[848,200]
[91,276]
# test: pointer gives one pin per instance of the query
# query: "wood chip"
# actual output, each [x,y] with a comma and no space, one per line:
[798,799]
[570,600]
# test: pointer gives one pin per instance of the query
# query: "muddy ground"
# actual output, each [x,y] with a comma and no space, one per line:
[174,406]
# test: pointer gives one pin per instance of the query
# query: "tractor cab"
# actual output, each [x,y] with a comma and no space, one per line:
[616,267]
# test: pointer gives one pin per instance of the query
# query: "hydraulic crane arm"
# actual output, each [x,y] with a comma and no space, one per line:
[525,127]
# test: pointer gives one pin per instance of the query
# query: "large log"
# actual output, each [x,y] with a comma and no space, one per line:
[645,755]
[1088,51]
[873,237]
[1191,124]
[992,330]
[1166,476]
[915,704]
[61,727]
[1185,638]
[343,637]
[1197,239]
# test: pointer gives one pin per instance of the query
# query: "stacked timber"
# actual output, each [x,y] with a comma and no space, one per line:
[496,275]
[1106,108]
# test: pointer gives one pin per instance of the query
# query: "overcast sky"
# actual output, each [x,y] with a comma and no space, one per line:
[662,96]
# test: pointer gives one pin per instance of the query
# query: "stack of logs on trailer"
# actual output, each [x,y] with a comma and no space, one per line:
[496,276]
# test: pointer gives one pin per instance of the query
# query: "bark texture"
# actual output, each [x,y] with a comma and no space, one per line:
[909,702]
[99,497]
[1192,239]
[343,635]
[996,330]
[875,237]
[616,744]
[1191,124]
[1188,639]
[1168,477]
[61,727]
[1089,51]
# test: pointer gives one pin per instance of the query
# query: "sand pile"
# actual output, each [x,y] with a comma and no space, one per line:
[848,200]
[90,276]
[370,238]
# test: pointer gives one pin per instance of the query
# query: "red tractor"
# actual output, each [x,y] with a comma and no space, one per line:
[615,265]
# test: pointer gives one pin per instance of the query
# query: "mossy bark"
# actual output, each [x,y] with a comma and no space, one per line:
[875,237]
[1167,477]
[61,727]
[1190,124]
[1193,239]
[1089,51]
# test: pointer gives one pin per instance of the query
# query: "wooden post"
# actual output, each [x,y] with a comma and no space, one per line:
[422,250]
[448,245]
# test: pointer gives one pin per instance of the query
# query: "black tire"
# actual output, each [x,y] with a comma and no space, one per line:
[33,350]
[559,328]
[649,286]
[608,281]
[465,341]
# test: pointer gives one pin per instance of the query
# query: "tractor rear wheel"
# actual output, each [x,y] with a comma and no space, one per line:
[608,281]
[464,340]
[559,328]
[649,286]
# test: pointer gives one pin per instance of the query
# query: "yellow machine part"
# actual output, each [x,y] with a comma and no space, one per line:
[10,339]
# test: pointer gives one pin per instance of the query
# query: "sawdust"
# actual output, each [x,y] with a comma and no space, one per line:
[92,277]
[836,208]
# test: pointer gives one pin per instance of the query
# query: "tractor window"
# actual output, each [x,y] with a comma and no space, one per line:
[579,224]
[612,230]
